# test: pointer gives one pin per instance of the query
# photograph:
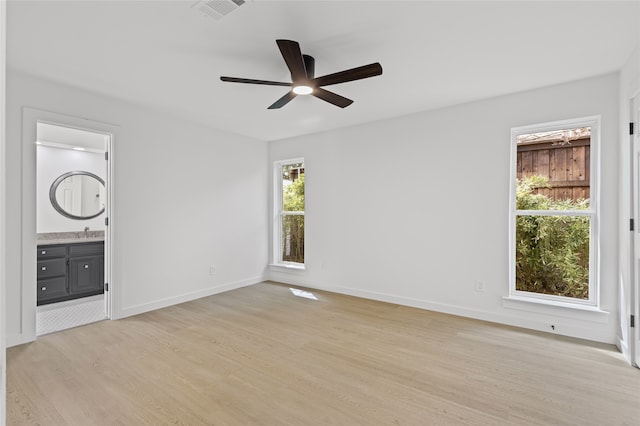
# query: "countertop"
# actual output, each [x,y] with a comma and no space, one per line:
[74,237]
[49,242]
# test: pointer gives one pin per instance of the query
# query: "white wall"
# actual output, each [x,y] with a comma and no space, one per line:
[51,163]
[414,210]
[184,197]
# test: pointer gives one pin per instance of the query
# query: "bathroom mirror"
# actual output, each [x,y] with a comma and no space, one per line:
[78,195]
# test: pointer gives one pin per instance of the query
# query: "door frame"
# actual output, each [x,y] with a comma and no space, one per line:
[30,118]
[634,285]
[3,237]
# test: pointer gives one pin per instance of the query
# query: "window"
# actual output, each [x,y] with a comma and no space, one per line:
[288,228]
[554,212]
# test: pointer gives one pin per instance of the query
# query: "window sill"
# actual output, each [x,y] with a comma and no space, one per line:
[553,307]
[287,267]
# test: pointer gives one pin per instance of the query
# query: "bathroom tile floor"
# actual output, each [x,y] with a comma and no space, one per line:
[69,314]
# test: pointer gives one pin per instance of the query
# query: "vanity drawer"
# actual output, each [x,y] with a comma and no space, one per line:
[46,252]
[52,288]
[52,267]
[88,248]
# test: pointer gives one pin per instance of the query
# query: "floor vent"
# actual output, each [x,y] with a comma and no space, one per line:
[217,9]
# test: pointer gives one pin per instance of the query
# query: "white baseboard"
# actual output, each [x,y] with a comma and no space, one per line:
[14,339]
[622,347]
[515,320]
[295,279]
[187,297]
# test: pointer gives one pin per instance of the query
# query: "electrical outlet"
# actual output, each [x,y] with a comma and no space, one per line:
[480,287]
[212,270]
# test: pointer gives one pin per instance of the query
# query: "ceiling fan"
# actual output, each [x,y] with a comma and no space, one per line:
[303,81]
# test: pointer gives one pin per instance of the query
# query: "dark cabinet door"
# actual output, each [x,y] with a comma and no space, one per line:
[85,274]
[101,272]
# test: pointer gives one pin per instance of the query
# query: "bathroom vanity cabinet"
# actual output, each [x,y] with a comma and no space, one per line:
[70,271]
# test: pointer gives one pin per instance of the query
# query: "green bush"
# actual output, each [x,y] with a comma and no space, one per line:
[552,252]
[293,226]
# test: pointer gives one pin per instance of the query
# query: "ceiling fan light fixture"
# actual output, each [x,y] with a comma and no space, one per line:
[303,90]
[303,80]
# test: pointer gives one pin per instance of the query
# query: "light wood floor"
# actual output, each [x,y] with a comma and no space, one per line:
[262,356]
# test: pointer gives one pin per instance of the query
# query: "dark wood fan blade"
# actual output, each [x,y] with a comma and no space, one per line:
[283,100]
[252,81]
[293,58]
[352,74]
[309,65]
[331,97]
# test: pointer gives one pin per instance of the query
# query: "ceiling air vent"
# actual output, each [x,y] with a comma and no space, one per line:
[217,9]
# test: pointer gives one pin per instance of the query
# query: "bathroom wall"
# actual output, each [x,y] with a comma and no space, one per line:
[51,163]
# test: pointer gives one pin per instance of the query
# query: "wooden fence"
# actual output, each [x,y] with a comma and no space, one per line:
[566,166]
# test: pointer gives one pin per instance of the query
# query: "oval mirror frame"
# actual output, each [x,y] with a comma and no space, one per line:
[54,201]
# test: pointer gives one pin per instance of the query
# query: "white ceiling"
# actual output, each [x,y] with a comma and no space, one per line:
[169,56]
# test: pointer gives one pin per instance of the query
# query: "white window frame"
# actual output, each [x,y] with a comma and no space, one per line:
[279,213]
[593,213]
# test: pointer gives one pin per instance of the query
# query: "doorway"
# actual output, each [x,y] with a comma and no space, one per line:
[70,226]
[80,262]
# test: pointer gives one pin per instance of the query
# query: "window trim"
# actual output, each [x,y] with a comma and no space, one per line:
[278,213]
[594,213]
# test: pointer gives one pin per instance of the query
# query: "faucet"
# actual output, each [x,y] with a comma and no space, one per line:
[86,232]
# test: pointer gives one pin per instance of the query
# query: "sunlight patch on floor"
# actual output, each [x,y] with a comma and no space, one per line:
[303,293]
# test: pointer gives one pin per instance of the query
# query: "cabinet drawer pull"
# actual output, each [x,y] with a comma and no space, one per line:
[43,289]
[43,252]
[86,266]
[44,268]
